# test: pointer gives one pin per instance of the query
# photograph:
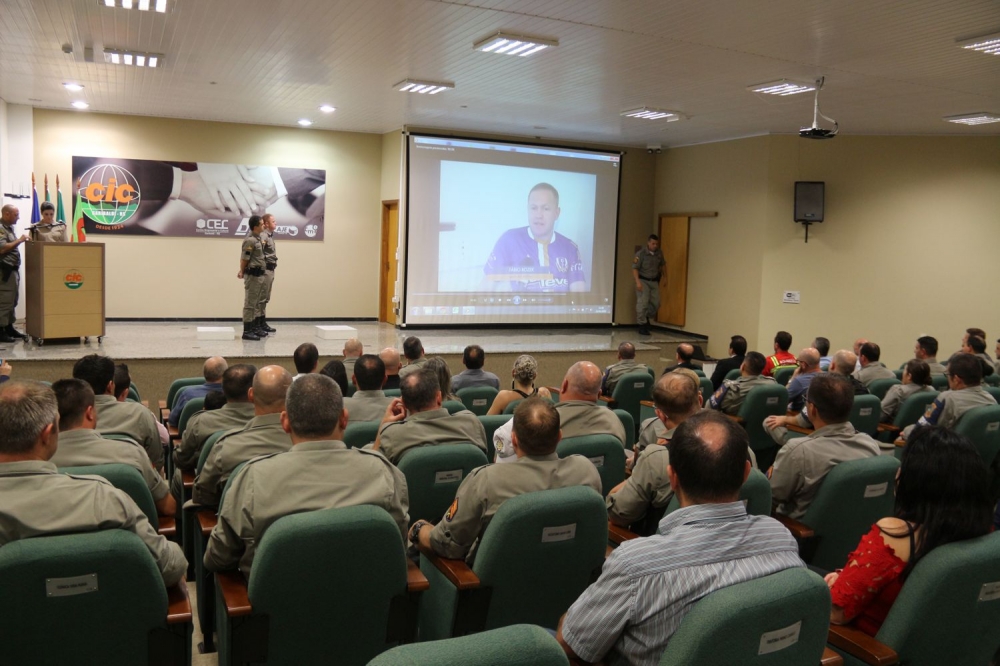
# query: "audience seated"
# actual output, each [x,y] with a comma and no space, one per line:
[123,383]
[5,371]
[916,379]
[443,372]
[474,358]
[319,472]
[737,352]
[306,359]
[822,345]
[683,356]
[655,431]
[807,367]
[969,332]
[926,350]
[38,501]
[782,343]
[353,349]
[942,496]
[369,401]
[860,342]
[523,375]
[212,372]
[262,435]
[648,585]
[803,462]
[337,371]
[871,367]
[626,364]
[730,396]
[418,419]
[413,350]
[214,400]
[534,439]
[976,346]
[390,357]
[965,392]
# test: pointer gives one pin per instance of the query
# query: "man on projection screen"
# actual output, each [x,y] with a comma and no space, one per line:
[536,257]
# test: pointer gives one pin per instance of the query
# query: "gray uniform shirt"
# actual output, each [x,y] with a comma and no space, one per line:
[203,425]
[949,407]
[873,371]
[253,251]
[803,463]
[486,488]
[936,368]
[616,371]
[37,500]
[649,486]
[649,264]
[261,436]
[580,417]
[473,378]
[270,251]
[650,432]
[366,406]
[7,235]
[430,428]
[83,447]
[733,392]
[412,366]
[132,419]
[311,477]
[896,395]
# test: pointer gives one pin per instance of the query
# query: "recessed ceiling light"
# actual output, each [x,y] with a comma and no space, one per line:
[782,87]
[75,87]
[326,108]
[647,113]
[423,87]
[120,57]
[510,44]
[979,118]
[305,122]
[986,44]
[141,5]
[80,105]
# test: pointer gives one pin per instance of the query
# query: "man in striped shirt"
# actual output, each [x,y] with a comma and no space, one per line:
[648,585]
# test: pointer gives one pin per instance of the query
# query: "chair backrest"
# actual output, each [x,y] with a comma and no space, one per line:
[540,553]
[854,495]
[392,393]
[993,391]
[191,407]
[63,594]
[477,399]
[866,413]
[632,389]
[630,425]
[982,426]
[490,425]
[880,387]
[127,479]
[133,395]
[229,482]
[178,384]
[453,406]
[940,382]
[651,371]
[699,372]
[899,372]
[992,380]
[316,610]
[783,374]
[778,619]
[733,374]
[359,433]
[761,402]
[516,645]
[949,609]
[756,494]
[206,449]
[706,389]
[512,405]
[433,474]
[605,451]
[913,408]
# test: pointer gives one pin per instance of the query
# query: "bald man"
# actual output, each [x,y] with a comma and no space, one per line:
[262,435]
[626,364]
[353,349]
[212,371]
[10,278]
[683,356]
[807,366]
[390,357]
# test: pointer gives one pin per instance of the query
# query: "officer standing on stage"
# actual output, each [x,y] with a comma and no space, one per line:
[271,261]
[252,269]
[647,269]
[10,279]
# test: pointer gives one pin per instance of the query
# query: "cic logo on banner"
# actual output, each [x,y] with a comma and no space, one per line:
[109,195]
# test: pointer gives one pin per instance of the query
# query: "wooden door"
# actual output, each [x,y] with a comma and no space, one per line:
[389,263]
[674,236]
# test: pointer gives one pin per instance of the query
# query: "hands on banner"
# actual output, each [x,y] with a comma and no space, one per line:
[221,188]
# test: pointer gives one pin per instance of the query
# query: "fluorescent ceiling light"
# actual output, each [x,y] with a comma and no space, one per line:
[326,108]
[141,5]
[986,44]
[305,122]
[126,4]
[144,5]
[979,118]
[161,6]
[782,87]
[117,57]
[510,44]
[647,113]
[423,87]
[127,58]
[75,87]
[80,105]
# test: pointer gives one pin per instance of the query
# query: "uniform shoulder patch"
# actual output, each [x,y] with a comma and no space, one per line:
[635,260]
[450,514]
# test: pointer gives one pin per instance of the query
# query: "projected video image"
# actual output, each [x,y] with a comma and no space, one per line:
[515,229]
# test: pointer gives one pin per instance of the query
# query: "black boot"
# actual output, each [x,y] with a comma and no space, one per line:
[248,332]
[5,336]
[14,333]
[258,327]
[267,327]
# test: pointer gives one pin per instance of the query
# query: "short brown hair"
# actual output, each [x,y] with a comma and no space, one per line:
[676,393]
[536,423]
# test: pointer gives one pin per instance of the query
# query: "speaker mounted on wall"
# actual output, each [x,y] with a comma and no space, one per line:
[809,199]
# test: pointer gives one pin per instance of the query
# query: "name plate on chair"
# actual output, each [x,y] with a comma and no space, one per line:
[560,533]
[448,476]
[597,460]
[992,427]
[876,489]
[865,411]
[479,402]
[990,592]
[772,401]
[67,587]
[639,385]
[773,641]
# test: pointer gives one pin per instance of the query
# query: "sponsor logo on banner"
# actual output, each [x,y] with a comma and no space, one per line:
[243,229]
[73,279]
[311,230]
[212,227]
[109,195]
[286,231]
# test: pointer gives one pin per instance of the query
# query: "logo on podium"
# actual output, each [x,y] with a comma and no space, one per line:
[73,279]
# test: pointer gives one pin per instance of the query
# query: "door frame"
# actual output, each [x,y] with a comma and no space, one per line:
[387,309]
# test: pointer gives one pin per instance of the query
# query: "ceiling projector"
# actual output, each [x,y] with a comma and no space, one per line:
[817,132]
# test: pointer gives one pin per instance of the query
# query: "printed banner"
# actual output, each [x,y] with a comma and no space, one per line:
[151,198]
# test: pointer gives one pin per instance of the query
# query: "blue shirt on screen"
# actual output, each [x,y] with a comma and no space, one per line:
[519,258]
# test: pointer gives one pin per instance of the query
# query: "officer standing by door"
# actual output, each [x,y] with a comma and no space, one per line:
[271,262]
[647,269]
[10,279]
[252,268]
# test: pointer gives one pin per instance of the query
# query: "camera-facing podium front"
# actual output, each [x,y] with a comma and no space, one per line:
[64,290]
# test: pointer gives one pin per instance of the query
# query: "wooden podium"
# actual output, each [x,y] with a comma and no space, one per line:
[64,290]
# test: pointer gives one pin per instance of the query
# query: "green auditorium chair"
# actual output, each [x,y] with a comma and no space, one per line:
[512,405]
[982,426]
[191,407]
[899,372]
[947,613]
[631,431]
[133,394]
[128,479]
[516,645]
[631,390]
[175,387]
[733,374]
[453,406]
[699,372]
[652,372]
[359,433]
[706,389]
[993,391]
[189,523]
[539,553]
[778,619]
[605,451]
[940,382]
[91,598]
[880,387]
[761,402]
[853,496]
[866,412]
[392,393]
[433,474]
[909,413]
[992,379]
[302,607]
[783,374]
[477,399]
[647,410]
[490,424]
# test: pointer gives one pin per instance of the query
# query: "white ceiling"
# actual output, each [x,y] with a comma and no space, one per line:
[890,67]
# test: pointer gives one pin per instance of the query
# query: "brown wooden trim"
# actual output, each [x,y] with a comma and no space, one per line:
[861,645]
[178,604]
[830,658]
[798,530]
[207,521]
[619,534]
[701,214]
[456,571]
[234,593]
[168,526]
[416,581]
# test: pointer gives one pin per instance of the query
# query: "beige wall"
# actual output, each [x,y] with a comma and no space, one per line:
[179,277]
[907,247]
[392,164]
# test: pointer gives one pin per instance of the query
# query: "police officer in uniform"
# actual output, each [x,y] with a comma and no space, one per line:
[271,262]
[647,269]
[252,270]
[10,279]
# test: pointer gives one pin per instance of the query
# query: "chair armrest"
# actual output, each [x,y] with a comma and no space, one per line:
[609,402]
[619,534]
[800,429]
[187,477]
[888,427]
[733,417]
[648,403]
[416,581]
[174,434]
[234,593]
[798,530]
[168,526]
[178,604]
[859,644]
[900,443]
[830,658]
[456,571]
[207,520]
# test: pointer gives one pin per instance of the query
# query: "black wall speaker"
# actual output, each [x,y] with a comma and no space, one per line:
[809,201]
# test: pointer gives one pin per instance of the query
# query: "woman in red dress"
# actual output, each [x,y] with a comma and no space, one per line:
[942,495]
